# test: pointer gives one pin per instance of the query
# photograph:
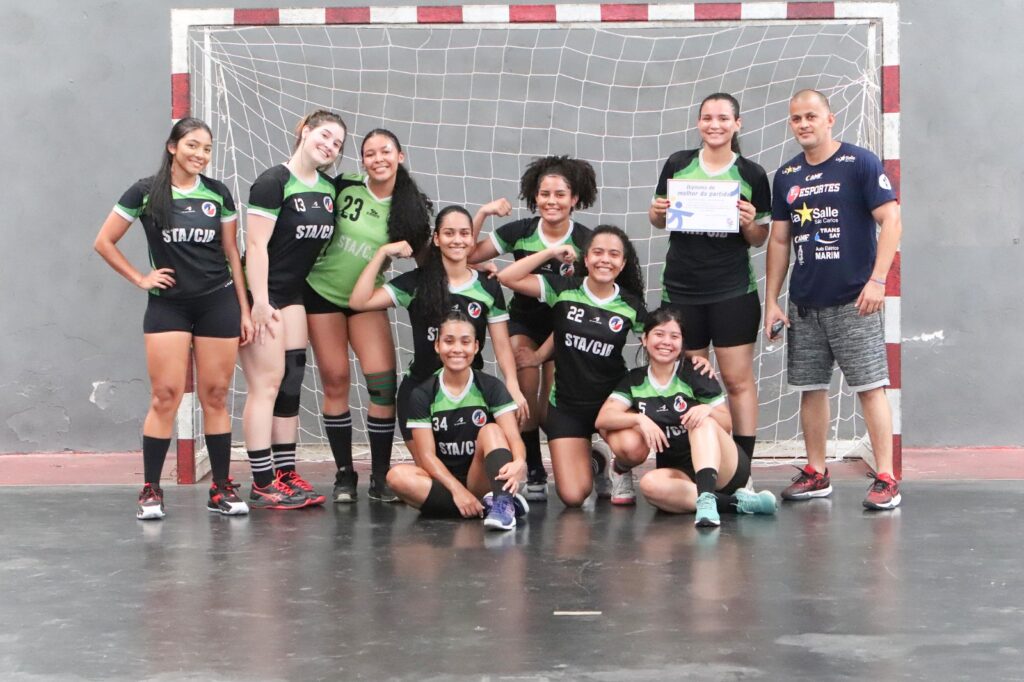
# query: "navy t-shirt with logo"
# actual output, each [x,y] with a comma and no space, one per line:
[834,235]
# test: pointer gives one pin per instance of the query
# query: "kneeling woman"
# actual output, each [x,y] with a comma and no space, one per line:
[668,407]
[466,441]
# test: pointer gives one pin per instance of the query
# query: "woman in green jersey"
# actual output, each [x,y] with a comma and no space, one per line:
[383,205]
[667,406]
[290,219]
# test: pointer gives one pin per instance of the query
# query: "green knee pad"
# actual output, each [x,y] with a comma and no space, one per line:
[381,387]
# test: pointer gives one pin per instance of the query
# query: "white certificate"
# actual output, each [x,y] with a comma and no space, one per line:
[703,206]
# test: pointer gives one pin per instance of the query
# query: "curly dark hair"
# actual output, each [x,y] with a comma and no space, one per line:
[432,288]
[632,277]
[578,174]
[409,215]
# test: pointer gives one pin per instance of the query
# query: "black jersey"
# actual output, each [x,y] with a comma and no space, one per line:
[457,419]
[304,222]
[590,334]
[191,245]
[666,405]
[524,238]
[712,266]
[479,299]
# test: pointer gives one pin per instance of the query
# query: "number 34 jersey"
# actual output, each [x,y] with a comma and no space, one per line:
[590,334]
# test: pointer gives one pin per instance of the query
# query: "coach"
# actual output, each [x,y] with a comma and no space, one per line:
[828,200]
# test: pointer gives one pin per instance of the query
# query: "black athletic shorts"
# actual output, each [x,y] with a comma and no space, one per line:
[570,422]
[537,327]
[732,322]
[318,305]
[402,404]
[681,461]
[215,315]
[277,301]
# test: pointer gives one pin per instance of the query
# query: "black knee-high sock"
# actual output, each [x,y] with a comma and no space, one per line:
[262,465]
[726,504]
[381,433]
[339,434]
[534,459]
[284,456]
[219,447]
[493,461]
[746,443]
[154,452]
[706,480]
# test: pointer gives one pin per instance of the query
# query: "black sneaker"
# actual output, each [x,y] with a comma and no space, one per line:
[224,499]
[277,495]
[345,482]
[151,503]
[381,491]
[537,485]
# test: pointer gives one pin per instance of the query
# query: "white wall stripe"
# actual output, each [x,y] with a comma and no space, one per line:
[891,136]
[892,319]
[895,397]
[186,416]
[670,12]
[393,15]
[570,13]
[182,20]
[763,10]
[888,13]
[314,16]
[485,14]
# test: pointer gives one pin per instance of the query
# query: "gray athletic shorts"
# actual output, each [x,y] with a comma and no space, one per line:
[823,337]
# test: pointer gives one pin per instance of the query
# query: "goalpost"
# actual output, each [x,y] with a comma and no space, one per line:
[475,92]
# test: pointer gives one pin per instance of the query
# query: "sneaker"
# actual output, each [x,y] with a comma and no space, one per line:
[884,493]
[345,486]
[537,486]
[623,491]
[296,482]
[277,495]
[522,507]
[501,515]
[225,500]
[707,511]
[151,503]
[381,491]
[748,502]
[600,462]
[808,484]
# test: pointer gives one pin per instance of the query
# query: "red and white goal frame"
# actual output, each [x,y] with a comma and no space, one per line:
[885,14]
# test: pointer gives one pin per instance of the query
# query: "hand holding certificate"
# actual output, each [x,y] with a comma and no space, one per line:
[703,206]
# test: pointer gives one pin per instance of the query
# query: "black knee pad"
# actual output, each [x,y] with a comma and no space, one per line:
[287,403]
[439,503]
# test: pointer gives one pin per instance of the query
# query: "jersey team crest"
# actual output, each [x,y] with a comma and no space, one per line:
[679,405]
[615,323]
[328,203]
[479,417]
[793,194]
[209,208]
[566,269]
[474,310]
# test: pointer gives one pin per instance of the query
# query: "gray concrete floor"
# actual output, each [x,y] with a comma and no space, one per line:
[934,590]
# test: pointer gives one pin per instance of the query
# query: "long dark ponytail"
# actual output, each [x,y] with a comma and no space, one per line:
[735,146]
[409,215]
[158,206]
[432,288]
[632,277]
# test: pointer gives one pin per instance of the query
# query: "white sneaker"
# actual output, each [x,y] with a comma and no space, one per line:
[600,460]
[623,491]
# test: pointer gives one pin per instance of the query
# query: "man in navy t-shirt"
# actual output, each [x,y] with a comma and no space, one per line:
[828,202]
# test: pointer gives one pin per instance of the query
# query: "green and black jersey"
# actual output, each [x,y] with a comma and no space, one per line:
[362,228]
[191,245]
[303,218]
[666,405]
[524,238]
[479,299]
[712,266]
[457,419]
[590,334]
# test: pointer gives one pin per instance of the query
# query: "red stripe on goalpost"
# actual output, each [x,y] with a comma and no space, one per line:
[186,446]
[622,12]
[347,15]
[439,15]
[890,89]
[810,10]
[892,171]
[259,17]
[893,281]
[718,11]
[522,14]
[892,352]
[179,95]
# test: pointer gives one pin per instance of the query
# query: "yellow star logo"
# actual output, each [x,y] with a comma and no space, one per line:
[805,214]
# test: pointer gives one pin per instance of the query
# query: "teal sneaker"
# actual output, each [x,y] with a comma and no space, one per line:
[707,511]
[749,502]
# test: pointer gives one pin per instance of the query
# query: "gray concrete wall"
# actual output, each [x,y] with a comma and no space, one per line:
[86,104]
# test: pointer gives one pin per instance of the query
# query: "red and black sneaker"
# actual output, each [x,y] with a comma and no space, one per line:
[808,484]
[224,499]
[277,495]
[884,493]
[151,503]
[297,482]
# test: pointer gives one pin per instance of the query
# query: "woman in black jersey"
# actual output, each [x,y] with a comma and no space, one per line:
[196,299]
[468,455]
[709,275]
[552,187]
[444,282]
[669,407]
[290,218]
[591,318]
